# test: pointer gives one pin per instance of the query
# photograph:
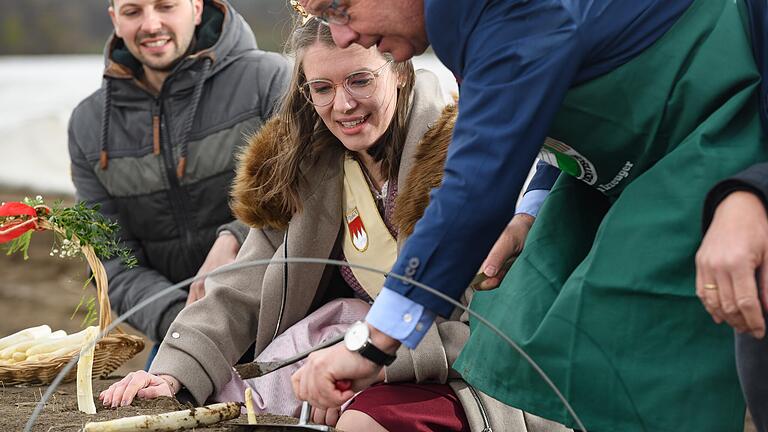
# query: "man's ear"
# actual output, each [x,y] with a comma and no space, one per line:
[112,12]
[198,7]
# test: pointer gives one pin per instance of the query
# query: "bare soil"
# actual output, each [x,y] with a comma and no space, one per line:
[61,414]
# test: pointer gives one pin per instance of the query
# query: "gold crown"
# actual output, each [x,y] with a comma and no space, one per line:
[298,8]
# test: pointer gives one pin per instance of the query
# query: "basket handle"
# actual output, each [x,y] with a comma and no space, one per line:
[102,290]
[99,276]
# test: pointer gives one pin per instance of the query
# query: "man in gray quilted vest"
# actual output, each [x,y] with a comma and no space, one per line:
[155,146]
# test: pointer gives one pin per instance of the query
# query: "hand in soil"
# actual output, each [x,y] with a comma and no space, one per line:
[141,384]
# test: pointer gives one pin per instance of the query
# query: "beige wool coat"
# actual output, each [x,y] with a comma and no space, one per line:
[256,303]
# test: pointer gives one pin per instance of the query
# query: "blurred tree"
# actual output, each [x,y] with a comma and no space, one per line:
[11,33]
[82,26]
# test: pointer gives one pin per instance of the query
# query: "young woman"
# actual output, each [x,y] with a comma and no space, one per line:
[343,171]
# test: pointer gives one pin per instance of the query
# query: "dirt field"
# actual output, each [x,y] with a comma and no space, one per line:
[61,414]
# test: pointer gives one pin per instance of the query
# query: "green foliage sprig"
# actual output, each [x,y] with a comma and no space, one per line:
[91,228]
[81,225]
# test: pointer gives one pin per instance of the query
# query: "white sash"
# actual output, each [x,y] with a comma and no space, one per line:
[367,240]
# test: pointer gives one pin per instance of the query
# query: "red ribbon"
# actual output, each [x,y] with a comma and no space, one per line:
[15,228]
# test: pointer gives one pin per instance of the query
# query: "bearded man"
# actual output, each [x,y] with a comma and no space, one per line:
[184,82]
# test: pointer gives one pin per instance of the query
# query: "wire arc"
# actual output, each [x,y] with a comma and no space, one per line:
[300,260]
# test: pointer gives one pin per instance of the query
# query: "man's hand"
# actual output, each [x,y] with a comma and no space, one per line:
[223,252]
[316,381]
[141,384]
[734,248]
[508,246]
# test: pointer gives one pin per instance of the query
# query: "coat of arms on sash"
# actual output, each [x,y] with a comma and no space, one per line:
[357,230]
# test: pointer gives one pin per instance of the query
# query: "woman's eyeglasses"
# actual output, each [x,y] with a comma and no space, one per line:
[359,85]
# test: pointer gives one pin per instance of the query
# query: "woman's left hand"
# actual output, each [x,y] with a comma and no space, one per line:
[141,384]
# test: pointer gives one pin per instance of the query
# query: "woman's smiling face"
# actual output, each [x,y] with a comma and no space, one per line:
[358,122]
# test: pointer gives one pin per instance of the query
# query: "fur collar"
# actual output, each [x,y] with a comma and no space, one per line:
[426,174]
[429,160]
[247,203]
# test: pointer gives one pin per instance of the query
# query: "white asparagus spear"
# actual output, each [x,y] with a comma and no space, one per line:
[249,406]
[58,353]
[84,369]
[75,339]
[26,334]
[23,346]
[172,421]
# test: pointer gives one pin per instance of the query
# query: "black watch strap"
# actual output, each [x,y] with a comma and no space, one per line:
[376,355]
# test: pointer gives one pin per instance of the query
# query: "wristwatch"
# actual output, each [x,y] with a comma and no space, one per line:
[358,339]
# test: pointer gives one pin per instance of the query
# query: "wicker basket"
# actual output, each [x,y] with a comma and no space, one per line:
[111,351]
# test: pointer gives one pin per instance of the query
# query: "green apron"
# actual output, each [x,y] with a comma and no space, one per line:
[603,295]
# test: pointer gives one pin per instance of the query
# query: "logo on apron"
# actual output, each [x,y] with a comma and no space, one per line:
[561,155]
[357,230]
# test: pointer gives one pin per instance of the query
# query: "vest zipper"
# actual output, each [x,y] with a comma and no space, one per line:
[178,207]
[486,422]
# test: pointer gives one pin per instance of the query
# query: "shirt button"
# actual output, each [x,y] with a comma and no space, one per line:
[413,262]
[407,317]
[419,327]
[175,335]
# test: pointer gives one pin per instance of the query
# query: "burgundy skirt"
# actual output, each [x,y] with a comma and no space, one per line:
[412,407]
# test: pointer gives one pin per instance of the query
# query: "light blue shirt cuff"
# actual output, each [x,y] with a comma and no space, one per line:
[532,201]
[400,318]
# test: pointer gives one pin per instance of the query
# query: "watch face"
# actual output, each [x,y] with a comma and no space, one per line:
[356,336]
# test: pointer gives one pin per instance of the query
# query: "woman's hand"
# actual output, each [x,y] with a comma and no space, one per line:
[141,384]
[734,248]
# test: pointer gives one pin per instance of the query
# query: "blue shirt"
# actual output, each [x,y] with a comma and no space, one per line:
[516,60]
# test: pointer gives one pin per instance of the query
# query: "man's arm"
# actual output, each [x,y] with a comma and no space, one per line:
[510,94]
[754,179]
[238,229]
[272,87]
[510,243]
[392,306]
[735,250]
[127,287]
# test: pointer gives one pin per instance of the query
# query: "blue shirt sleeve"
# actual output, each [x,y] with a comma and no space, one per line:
[400,318]
[532,202]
